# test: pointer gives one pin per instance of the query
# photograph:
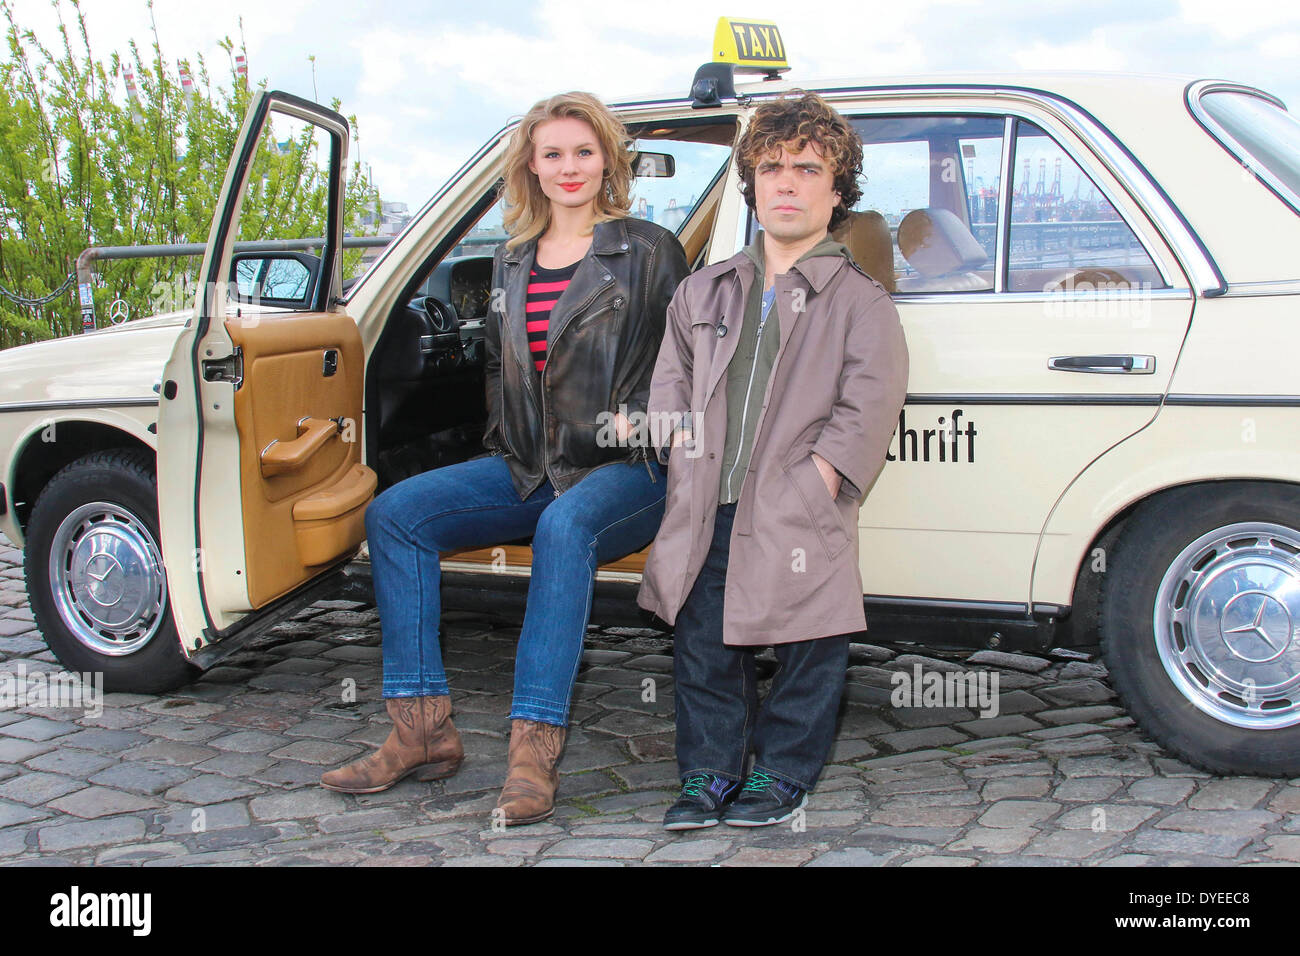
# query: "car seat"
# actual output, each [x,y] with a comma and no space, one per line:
[942,251]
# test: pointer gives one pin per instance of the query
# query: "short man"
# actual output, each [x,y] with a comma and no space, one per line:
[790,364]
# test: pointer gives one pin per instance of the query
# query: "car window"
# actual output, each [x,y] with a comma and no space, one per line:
[1064,234]
[927,219]
[1261,134]
[669,200]
[286,196]
[700,154]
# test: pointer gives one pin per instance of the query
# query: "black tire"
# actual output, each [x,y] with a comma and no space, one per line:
[107,500]
[1208,575]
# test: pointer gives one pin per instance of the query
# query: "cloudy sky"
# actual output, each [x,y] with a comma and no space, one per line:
[429,80]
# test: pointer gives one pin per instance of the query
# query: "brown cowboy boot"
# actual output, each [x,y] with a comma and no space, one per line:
[423,738]
[531,779]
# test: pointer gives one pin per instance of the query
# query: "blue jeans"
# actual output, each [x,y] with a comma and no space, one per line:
[613,511]
[718,712]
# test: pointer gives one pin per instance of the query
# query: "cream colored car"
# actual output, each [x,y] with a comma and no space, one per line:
[1097,279]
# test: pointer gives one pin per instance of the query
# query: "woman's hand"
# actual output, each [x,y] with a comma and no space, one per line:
[622,427]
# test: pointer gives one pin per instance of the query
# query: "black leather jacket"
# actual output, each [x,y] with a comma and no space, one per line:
[605,334]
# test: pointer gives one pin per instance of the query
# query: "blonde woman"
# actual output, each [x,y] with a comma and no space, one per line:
[580,294]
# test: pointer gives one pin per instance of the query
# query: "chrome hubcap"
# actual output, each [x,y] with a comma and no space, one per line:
[1226,619]
[108,579]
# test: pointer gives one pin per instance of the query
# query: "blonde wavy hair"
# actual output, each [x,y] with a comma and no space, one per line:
[527,210]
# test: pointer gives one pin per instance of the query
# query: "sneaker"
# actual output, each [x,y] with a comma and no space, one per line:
[765,800]
[704,796]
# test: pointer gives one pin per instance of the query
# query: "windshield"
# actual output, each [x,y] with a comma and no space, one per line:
[668,193]
[1263,135]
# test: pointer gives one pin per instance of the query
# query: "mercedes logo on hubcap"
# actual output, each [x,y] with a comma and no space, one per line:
[104,579]
[1255,626]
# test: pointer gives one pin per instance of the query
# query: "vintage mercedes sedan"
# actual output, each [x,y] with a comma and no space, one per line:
[1098,282]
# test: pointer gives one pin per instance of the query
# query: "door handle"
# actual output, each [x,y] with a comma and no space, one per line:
[1108,364]
[280,457]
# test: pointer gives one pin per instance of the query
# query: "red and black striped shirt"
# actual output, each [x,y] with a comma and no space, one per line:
[544,289]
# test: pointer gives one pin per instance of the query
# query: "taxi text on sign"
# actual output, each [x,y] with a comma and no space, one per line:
[754,43]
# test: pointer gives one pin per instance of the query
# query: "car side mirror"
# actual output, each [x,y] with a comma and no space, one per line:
[281,279]
[654,165]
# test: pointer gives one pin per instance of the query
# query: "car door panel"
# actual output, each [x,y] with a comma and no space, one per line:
[285,385]
[991,436]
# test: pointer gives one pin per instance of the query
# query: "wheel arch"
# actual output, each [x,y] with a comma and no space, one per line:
[38,457]
[1081,627]
[1182,446]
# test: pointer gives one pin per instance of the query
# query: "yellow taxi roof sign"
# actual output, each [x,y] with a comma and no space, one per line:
[752,46]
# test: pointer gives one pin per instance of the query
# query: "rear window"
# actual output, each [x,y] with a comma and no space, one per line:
[1260,133]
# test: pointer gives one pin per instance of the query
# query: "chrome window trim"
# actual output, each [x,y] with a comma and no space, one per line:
[1186,245]
[1004,208]
[1005,297]
[1270,287]
[1192,255]
[1010,110]
[1229,142]
[57,404]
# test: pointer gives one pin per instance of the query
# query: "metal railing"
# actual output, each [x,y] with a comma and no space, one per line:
[97,253]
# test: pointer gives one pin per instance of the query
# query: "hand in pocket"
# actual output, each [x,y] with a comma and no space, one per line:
[830,477]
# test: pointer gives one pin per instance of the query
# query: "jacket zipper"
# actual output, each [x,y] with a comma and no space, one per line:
[744,414]
[546,457]
[587,319]
[615,306]
[528,385]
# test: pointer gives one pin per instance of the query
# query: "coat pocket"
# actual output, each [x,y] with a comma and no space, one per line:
[822,509]
[581,444]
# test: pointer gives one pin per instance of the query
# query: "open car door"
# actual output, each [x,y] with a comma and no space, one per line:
[260,482]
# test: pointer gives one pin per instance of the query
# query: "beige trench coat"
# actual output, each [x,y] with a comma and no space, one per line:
[836,389]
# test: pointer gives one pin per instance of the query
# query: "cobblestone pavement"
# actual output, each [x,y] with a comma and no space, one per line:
[225,771]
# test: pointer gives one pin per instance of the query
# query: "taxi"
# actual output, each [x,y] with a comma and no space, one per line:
[1097,280]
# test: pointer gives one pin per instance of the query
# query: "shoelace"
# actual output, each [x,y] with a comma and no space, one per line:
[695,784]
[758,780]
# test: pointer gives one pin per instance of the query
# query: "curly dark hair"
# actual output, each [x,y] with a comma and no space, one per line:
[794,120]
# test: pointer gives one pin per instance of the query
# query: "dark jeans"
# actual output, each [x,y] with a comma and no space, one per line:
[718,713]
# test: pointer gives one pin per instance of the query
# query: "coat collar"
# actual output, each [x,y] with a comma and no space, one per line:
[818,266]
[607,239]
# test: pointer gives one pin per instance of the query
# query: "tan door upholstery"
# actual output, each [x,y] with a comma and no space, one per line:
[298,413]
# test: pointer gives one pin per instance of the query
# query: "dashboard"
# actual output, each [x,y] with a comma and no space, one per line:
[445,320]
[464,283]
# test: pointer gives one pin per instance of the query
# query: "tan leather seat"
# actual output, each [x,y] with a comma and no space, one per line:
[942,251]
[866,234]
[1090,280]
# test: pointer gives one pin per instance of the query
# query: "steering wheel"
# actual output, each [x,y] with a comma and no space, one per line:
[436,318]
[442,317]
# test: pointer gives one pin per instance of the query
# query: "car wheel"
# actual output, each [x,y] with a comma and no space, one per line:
[1200,605]
[95,574]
